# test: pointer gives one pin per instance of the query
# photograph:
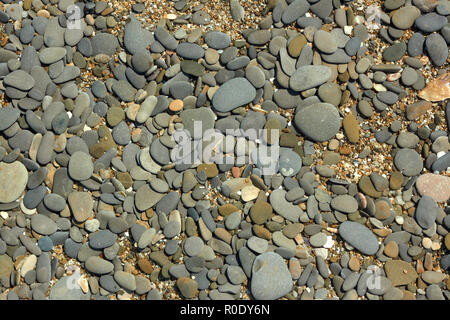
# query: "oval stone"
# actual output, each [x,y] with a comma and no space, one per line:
[359,236]
[233,94]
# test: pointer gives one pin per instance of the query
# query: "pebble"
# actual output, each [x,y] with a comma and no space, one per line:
[436,48]
[81,205]
[405,17]
[61,290]
[359,237]
[217,40]
[232,94]
[271,278]
[426,212]
[19,79]
[325,41]
[13,180]
[344,203]
[435,186]
[98,265]
[308,77]
[283,207]
[430,22]
[290,163]
[80,166]
[52,55]
[408,162]
[187,287]
[319,122]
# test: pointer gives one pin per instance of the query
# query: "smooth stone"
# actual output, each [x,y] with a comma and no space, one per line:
[283,207]
[295,10]
[81,204]
[404,18]
[408,162]
[290,163]
[435,186]
[8,116]
[232,94]
[105,43]
[344,203]
[43,224]
[13,180]
[102,239]
[190,51]
[271,278]
[359,236]
[325,41]
[319,122]
[430,22]
[80,166]
[66,289]
[437,49]
[426,212]
[308,77]
[217,40]
[19,79]
[52,55]
[98,265]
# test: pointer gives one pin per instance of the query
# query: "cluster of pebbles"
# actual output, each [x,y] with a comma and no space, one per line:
[93,207]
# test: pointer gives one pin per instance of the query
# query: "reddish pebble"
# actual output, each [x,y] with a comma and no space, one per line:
[236,172]
[435,186]
[176,105]
[362,201]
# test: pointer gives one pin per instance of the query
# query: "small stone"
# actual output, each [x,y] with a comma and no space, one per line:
[426,212]
[187,287]
[80,166]
[232,94]
[359,236]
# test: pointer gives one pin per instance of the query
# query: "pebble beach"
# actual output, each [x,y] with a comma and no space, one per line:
[224,150]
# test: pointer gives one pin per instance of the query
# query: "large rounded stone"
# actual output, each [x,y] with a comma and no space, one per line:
[232,94]
[271,278]
[319,122]
[13,180]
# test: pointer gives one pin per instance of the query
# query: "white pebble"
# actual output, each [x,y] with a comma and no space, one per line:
[330,242]
[399,219]
[348,30]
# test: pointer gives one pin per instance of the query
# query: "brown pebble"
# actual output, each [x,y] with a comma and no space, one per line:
[345,150]
[145,266]
[382,232]
[428,262]
[262,232]
[351,127]
[210,169]
[187,287]
[227,209]
[382,210]
[354,264]
[396,180]
[391,249]
[408,295]
[176,105]
[236,172]
[447,241]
